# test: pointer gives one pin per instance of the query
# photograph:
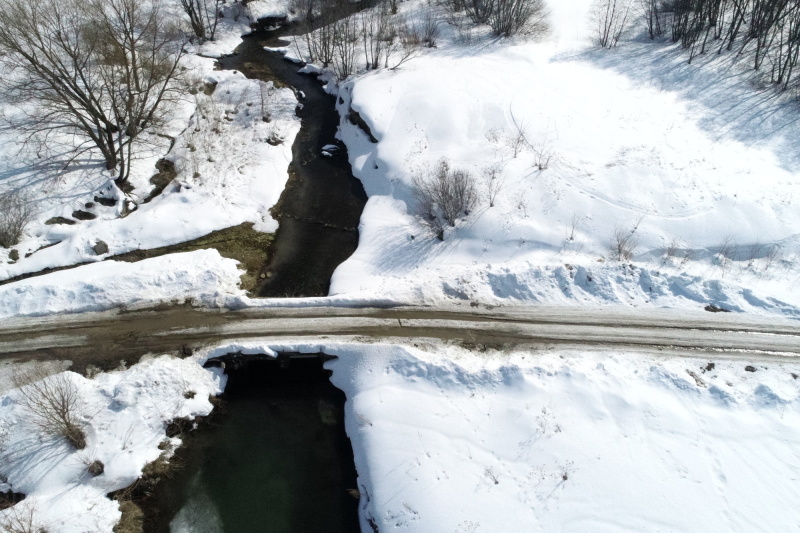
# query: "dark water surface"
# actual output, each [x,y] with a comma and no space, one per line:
[319,211]
[276,459]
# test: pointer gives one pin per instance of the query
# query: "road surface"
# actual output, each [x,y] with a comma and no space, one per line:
[104,339]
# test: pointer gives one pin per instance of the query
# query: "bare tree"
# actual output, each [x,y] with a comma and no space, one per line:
[377,33]
[444,195]
[479,11]
[346,33]
[652,16]
[15,213]
[100,71]
[203,16]
[53,402]
[611,18]
[511,17]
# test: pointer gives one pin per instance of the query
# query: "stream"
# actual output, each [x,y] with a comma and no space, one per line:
[274,458]
[319,210]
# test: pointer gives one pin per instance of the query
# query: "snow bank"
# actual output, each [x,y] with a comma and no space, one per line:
[202,277]
[125,417]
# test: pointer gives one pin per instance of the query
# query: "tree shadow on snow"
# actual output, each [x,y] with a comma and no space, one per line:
[724,94]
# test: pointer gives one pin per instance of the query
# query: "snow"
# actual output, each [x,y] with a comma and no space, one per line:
[693,161]
[125,414]
[227,173]
[202,277]
[447,439]
[451,440]
[697,163]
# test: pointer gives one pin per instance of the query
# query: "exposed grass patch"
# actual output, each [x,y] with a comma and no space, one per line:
[241,243]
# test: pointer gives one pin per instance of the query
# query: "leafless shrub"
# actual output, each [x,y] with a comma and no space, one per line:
[725,253]
[623,244]
[518,139]
[430,28]
[491,475]
[444,195]
[346,31]
[20,519]
[377,34]
[53,402]
[652,16]
[772,255]
[494,182]
[406,46]
[512,17]
[573,226]
[543,153]
[477,10]
[611,19]
[15,214]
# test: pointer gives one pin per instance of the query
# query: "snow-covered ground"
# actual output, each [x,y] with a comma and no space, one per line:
[124,414]
[447,440]
[227,172]
[565,441]
[693,161]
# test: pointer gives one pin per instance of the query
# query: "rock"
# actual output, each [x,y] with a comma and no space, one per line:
[711,308]
[83,215]
[166,174]
[13,255]
[750,368]
[59,220]
[96,468]
[209,87]
[710,367]
[100,248]
[106,202]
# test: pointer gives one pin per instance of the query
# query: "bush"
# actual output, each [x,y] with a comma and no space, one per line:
[623,244]
[53,402]
[510,17]
[20,520]
[15,214]
[444,195]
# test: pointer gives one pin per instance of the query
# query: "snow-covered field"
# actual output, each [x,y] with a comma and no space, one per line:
[447,440]
[694,162]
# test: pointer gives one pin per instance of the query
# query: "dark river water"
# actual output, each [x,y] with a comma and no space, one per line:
[319,211]
[276,459]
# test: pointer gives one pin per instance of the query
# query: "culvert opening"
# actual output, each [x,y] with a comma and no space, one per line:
[274,457]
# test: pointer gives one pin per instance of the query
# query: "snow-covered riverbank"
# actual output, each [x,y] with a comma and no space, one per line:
[448,440]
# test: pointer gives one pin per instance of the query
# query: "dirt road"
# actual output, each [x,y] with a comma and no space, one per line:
[103,339]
